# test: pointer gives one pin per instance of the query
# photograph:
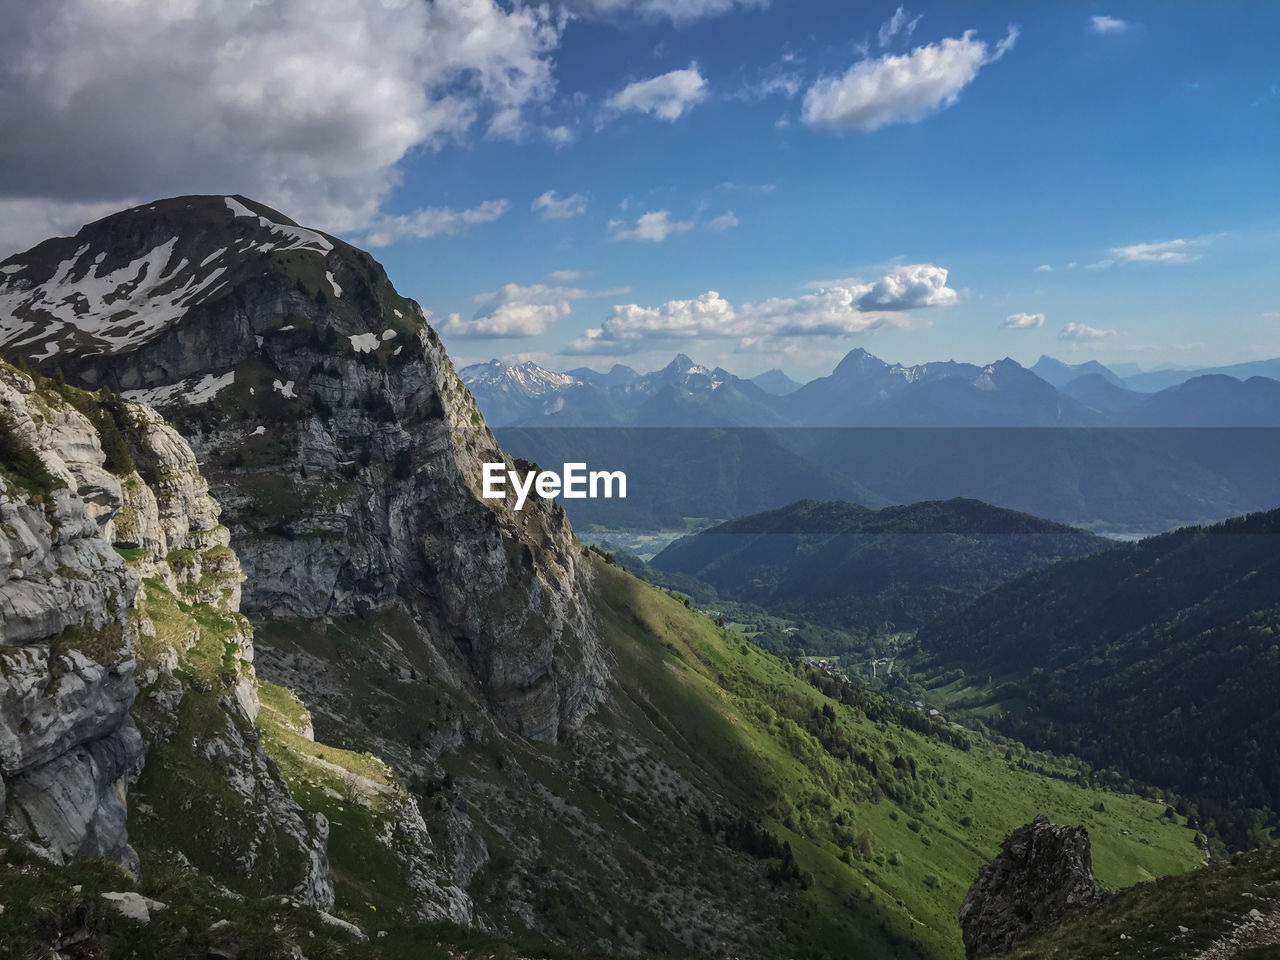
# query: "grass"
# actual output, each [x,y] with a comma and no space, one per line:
[722,702]
[1172,918]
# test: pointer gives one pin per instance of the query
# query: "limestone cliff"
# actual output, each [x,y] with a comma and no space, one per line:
[323,409]
[115,571]
[68,746]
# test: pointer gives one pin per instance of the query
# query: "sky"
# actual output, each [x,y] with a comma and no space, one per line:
[755,183]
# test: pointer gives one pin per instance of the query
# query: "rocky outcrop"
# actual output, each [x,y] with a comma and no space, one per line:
[68,746]
[324,410]
[84,553]
[1043,873]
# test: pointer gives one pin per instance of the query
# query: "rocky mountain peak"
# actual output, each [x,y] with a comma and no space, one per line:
[1043,873]
[330,423]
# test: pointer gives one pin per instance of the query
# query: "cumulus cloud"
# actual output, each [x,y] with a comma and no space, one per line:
[1164,251]
[677,11]
[653,227]
[520,311]
[1083,333]
[667,96]
[1105,24]
[311,114]
[1044,268]
[507,320]
[726,221]
[552,206]
[432,222]
[909,287]
[842,309]
[1023,321]
[564,276]
[905,88]
[898,23]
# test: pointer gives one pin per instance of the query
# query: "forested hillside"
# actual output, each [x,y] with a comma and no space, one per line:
[1159,658]
[872,572]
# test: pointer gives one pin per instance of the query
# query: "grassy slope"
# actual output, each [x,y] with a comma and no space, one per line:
[719,699]
[1172,918]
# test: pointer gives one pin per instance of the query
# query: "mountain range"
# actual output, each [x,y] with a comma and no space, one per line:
[864,391]
[278,681]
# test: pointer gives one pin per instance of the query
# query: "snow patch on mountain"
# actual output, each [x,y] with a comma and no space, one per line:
[194,390]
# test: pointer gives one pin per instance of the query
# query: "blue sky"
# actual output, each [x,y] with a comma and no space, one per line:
[754,184]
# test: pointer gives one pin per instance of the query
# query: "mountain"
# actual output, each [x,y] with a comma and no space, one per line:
[1110,400]
[674,475]
[514,393]
[1156,658]
[619,375]
[263,631]
[1059,374]
[776,382]
[1215,400]
[871,571]
[1156,380]
[864,391]
[681,394]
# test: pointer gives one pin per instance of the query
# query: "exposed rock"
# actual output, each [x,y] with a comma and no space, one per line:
[341,924]
[68,746]
[358,487]
[1043,873]
[133,905]
[74,624]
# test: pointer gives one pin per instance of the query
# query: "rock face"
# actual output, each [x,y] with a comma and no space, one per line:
[330,423]
[1043,872]
[68,746]
[81,631]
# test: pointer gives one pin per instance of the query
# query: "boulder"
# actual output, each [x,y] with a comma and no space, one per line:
[1044,872]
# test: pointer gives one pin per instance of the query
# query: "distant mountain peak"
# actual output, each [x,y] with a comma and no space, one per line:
[858,361]
[776,382]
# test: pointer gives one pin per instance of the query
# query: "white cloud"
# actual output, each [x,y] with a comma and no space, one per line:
[507,320]
[520,311]
[900,89]
[677,11]
[1083,333]
[1105,24]
[667,96]
[786,84]
[558,137]
[432,222]
[1044,268]
[1023,321]
[1164,251]
[653,227]
[838,310]
[1272,314]
[909,287]
[552,206]
[564,276]
[26,220]
[895,24]
[726,221]
[311,114]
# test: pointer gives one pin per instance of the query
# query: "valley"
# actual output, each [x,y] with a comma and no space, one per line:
[391,712]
